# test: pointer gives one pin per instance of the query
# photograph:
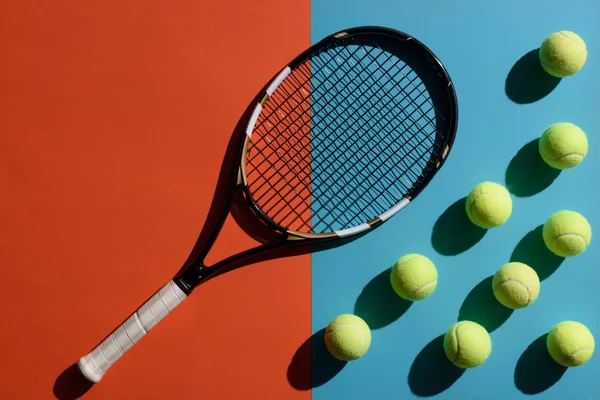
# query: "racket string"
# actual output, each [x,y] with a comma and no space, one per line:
[285,194]
[438,112]
[272,185]
[341,175]
[296,168]
[282,176]
[291,168]
[384,193]
[265,120]
[346,105]
[349,116]
[370,109]
[429,120]
[330,190]
[304,153]
[419,107]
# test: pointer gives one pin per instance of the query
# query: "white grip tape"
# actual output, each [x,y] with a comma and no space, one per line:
[95,364]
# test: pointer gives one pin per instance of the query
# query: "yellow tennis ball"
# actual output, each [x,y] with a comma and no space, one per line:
[567,233]
[570,344]
[563,145]
[489,205]
[516,285]
[347,337]
[413,277]
[563,54]
[467,344]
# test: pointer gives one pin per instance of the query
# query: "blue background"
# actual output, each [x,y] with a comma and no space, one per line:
[479,42]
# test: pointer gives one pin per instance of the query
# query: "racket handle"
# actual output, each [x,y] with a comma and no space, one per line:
[95,364]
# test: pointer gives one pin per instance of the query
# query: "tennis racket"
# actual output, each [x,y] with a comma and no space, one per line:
[342,138]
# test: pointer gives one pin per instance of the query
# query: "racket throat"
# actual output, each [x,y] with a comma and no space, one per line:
[191,277]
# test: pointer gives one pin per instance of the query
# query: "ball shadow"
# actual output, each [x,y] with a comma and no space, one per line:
[532,250]
[312,365]
[453,232]
[378,304]
[431,372]
[481,306]
[536,371]
[527,174]
[527,82]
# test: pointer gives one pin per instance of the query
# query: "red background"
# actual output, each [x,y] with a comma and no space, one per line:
[115,119]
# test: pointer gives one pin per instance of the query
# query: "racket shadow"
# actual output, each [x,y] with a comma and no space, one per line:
[70,384]
[225,187]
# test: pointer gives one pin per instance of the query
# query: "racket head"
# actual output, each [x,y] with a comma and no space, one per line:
[348,133]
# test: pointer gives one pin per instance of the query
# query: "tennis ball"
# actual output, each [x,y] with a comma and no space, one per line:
[467,344]
[413,277]
[516,285]
[570,343]
[562,54]
[489,205]
[347,337]
[567,233]
[563,145]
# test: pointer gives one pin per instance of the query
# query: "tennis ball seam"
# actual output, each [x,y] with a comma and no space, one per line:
[472,215]
[570,234]
[355,327]
[568,357]
[520,283]
[407,257]
[565,156]
[411,294]
[572,41]
[456,356]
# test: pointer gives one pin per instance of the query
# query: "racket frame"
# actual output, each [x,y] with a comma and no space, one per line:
[196,272]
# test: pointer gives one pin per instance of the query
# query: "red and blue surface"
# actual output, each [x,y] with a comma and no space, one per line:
[115,119]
